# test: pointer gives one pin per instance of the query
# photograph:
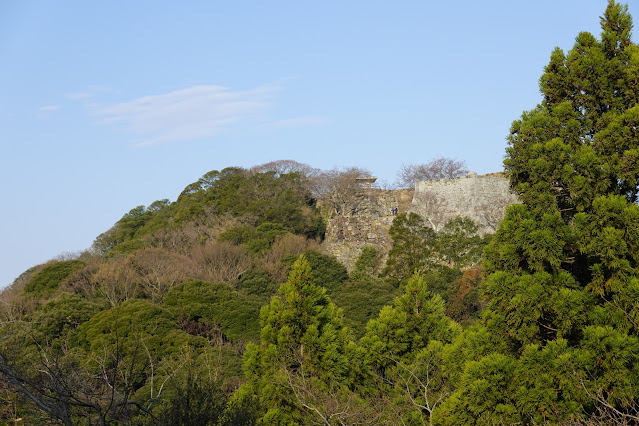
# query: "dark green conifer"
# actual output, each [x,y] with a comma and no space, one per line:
[562,266]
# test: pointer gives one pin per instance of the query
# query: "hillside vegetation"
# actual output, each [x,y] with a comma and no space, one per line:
[220,308]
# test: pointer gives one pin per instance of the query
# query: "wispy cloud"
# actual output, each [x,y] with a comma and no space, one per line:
[46,111]
[49,108]
[298,122]
[187,114]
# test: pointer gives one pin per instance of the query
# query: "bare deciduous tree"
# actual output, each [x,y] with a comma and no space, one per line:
[330,405]
[102,391]
[439,168]
[623,411]
[281,167]
[13,304]
[117,280]
[422,383]
[341,189]
[221,261]
[159,270]
[286,245]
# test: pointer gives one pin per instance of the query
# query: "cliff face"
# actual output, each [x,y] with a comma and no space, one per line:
[482,198]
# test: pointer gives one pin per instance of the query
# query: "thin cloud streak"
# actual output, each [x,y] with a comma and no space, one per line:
[298,122]
[49,108]
[192,113]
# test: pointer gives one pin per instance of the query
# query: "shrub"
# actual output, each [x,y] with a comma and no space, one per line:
[51,276]
[326,271]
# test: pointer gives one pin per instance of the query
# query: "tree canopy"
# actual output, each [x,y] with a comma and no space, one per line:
[438,168]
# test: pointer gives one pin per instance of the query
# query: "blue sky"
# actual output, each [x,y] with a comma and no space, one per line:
[105,106]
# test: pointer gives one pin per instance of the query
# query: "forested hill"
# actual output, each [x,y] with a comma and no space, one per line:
[219,308]
[163,305]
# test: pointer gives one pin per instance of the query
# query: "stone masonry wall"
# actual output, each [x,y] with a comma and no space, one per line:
[482,198]
[346,236]
[367,225]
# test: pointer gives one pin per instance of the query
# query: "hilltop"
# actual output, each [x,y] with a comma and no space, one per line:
[191,275]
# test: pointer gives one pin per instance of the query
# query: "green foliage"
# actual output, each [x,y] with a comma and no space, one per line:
[366,265]
[326,271]
[558,341]
[129,225]
[257,239]
[418,249]
[127,247]
[129,324]
[404,348]
[362,300]
[458,243]
[269,204]
[202,301]
[563,263]
[571,162]
[266,197]
[257,282]
[198,392]
[485,395]
[303,346]
[194,402]
[440,278]
[51,276]
[412,248]
[415,318]
[59,316]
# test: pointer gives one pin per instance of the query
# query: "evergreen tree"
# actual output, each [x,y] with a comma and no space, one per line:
[564,265]
[300,369]
[412,248]
[403,349]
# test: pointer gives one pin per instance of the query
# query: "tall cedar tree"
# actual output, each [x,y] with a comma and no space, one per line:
[563,268]
[300,368]
[403,350]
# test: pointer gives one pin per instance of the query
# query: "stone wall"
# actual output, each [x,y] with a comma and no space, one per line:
[346,236]
[482,198]
[366,225]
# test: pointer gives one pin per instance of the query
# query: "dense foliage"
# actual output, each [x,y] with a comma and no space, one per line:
[563,265]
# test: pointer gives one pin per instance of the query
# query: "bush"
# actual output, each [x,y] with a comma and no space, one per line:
[257,282]
[366,265]
[51,276]
[63,314]
[205,301]
[362,300]
[326,271]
